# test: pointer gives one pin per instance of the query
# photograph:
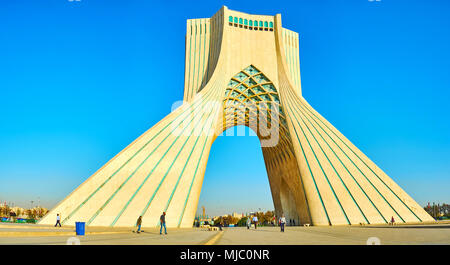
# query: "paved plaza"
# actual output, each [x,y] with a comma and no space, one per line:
[339,235]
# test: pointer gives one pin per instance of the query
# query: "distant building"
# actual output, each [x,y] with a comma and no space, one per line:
[238,215]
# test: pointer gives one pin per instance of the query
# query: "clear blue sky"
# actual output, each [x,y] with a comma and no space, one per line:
[80,80]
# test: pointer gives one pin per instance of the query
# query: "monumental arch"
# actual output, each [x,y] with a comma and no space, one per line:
[240,69]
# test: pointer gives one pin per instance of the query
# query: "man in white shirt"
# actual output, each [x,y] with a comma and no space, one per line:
[58,220]
[282,222]
[255,220]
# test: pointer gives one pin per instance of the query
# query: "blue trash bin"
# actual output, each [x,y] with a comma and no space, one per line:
[79,228]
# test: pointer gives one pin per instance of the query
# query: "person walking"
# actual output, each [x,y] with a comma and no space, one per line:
[249,222]
[392,220]
[220,224]
[58,220]
[255,220]
[162,219]
[282,222]
[138,224]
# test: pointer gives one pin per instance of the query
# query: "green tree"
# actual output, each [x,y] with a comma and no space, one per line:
[40,212]
[268,216]
[7,210]
[226,220]
[31,213]
[242,221]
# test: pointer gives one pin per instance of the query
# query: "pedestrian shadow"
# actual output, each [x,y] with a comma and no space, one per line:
[146,232]
[266,230]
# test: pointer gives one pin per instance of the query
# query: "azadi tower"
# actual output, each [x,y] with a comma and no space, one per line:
[240,69]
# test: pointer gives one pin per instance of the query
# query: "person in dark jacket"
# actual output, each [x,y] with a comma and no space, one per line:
[162,219]
[138,224]
[220,224]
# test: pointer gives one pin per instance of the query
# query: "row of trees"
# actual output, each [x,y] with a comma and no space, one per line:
[263,219]
[438,210]
[5,210]
[38,212]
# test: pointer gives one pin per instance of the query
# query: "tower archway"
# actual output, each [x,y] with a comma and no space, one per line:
[251,99]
